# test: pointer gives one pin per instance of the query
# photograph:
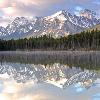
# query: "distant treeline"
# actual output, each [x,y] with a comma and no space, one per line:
[89,40]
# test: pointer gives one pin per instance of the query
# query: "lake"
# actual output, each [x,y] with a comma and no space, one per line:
[49,75]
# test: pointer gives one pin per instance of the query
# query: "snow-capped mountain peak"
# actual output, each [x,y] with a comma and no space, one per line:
[56,25]
[61,15]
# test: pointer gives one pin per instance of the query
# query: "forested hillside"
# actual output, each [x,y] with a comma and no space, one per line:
[89,40]
[93,28]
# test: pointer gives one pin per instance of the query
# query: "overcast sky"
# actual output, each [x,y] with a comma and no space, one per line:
[13,8]
[45,7]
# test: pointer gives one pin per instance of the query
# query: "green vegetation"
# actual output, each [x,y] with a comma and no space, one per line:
[89,40]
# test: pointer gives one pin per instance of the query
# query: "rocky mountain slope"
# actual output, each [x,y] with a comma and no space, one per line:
[59,24]
[94,28]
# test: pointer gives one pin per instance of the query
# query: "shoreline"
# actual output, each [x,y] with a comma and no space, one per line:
[48,51]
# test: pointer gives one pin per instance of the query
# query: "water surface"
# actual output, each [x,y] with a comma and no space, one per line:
[49,75]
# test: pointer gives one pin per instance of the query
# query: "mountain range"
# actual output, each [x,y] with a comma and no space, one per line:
[59,24]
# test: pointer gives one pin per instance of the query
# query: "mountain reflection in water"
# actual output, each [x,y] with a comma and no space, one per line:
[56,79]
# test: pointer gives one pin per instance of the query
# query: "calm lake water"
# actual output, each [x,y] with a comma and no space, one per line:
[49,75]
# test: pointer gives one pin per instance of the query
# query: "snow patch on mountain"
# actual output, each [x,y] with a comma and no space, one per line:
[59,24]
